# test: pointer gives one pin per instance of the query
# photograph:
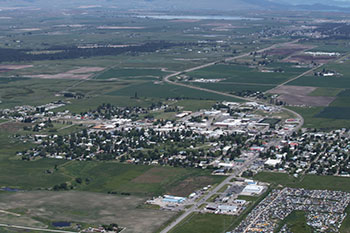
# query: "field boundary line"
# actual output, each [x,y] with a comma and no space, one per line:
[34,229]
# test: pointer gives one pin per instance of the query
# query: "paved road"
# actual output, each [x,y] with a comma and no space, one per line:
[168,77]
[34,229]
[297,77]
[249,162]
[208,195]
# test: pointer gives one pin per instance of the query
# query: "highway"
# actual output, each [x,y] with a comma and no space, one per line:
[167,79]
[204,199]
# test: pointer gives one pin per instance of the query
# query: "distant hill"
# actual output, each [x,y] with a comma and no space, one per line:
[218,5]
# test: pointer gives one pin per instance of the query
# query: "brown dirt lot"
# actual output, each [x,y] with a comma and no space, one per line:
[187,186]
[153,176]
[299,95]
[93,208]
[287,51]
[12,127]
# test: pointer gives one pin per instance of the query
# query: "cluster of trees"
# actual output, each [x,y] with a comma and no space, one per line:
[17,55]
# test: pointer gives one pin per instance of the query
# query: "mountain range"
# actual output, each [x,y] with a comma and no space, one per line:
[220,5]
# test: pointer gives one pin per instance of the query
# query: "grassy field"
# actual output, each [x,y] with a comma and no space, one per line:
[307,182]
[104,177]
[234,87]
[313,120]
[195,105]
[342,113]
[245,74]
[204,223]
[164,90]
[323,91]
[341,81]
[124,73]
[42,208]
[141,180]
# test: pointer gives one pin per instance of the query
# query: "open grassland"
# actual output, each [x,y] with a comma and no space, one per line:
[41,208]
[339,81]
[340,46]
[306,182]
[313,119]
[164,90]
[129,72]
[326,82]
[103,177]
[84,105]
[140,180]
[19,91]
[245,74]
[194,105]
[234,87]
[342,113]
[323,91]
[204,223]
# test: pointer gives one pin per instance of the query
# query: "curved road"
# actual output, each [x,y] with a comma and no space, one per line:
[167,78]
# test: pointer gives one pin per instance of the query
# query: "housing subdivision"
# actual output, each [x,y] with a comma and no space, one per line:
[324,210]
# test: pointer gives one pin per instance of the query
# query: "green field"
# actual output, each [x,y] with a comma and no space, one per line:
[310,115]
[307,182]
[244,74]
[103,177]
[124,73]
[323,91]
[234,88]
[204,223]
[164,90]
[342,113]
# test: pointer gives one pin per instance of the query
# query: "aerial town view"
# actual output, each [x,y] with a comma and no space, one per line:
[157,116]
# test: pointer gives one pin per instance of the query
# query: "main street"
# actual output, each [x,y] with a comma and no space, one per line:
[167,79]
